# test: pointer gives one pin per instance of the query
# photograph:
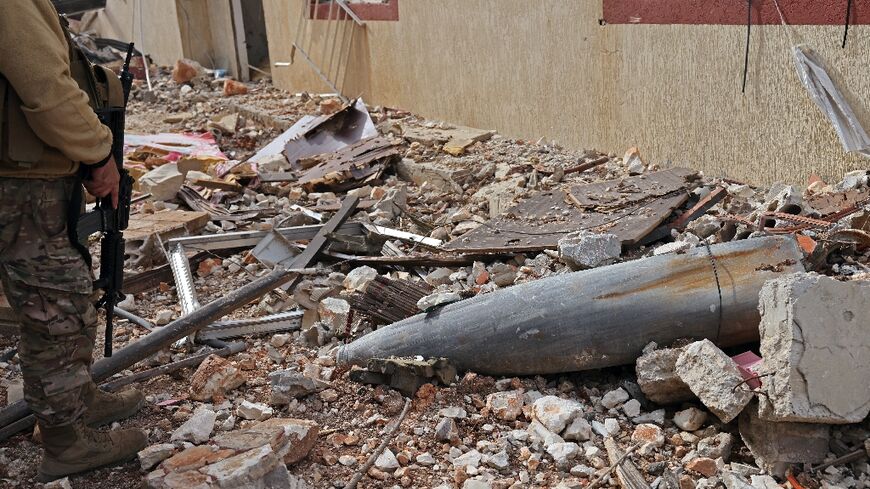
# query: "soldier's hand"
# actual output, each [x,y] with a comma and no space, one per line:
[104,182]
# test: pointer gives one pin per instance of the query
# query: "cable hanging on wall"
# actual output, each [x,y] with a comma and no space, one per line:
[746,53]
[846,28]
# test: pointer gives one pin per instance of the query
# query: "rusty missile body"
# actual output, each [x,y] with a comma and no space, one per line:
[595,318]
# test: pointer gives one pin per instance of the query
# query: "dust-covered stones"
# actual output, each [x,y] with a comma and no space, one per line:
[714,378]
[214,377]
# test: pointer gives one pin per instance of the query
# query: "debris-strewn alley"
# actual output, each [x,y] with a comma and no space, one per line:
[346,295]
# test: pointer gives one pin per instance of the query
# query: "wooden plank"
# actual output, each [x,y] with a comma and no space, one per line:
[700,208]
[626,471]
[623,191]
[165,223]
[630,208]
[348,166]
[218,185]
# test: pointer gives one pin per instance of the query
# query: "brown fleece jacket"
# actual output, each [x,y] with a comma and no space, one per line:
[58,129]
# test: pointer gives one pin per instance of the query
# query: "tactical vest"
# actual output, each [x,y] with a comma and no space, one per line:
[20,148]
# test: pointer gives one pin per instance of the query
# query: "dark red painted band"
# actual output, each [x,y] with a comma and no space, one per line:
[733,12]
[365,11]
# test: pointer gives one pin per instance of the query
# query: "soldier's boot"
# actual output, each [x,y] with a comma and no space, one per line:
[104,407]
[74,448]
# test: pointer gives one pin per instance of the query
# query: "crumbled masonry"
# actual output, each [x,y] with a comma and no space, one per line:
[533,364]
[814,340]
[714,378]
[658,379]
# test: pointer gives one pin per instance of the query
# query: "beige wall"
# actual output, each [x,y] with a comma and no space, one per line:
[206,28]
[547,68]
[160,35]
[201,30]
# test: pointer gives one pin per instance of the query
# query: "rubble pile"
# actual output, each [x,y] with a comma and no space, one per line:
[761,380]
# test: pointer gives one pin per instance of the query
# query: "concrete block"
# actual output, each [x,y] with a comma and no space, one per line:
[657,377]
[816,346]
[775,445]
[585,249]
[162,182]
[713,377]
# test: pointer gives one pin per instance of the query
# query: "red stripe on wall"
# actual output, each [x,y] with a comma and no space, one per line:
[733,12]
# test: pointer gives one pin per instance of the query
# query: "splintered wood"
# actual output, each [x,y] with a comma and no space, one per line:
[629,208]
[166,224]
[349,167]
[196,201]
[386,301]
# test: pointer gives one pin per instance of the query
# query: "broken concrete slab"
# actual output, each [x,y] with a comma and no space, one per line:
[255,457]
[658,379]
[714,378]
[334,314]
[454,136]
[291,439]
[243,469]
[816,349]
[777,445]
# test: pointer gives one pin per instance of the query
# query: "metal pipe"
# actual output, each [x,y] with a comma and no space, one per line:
[595,318]
[129,316]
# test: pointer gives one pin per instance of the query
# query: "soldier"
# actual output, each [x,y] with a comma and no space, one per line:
[48,129]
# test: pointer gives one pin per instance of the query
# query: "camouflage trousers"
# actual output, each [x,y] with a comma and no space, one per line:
[49,286]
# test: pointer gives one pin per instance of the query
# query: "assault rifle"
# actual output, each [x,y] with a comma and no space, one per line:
[112,222]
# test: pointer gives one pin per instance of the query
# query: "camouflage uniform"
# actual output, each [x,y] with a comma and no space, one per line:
[48,131]
[49,285]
